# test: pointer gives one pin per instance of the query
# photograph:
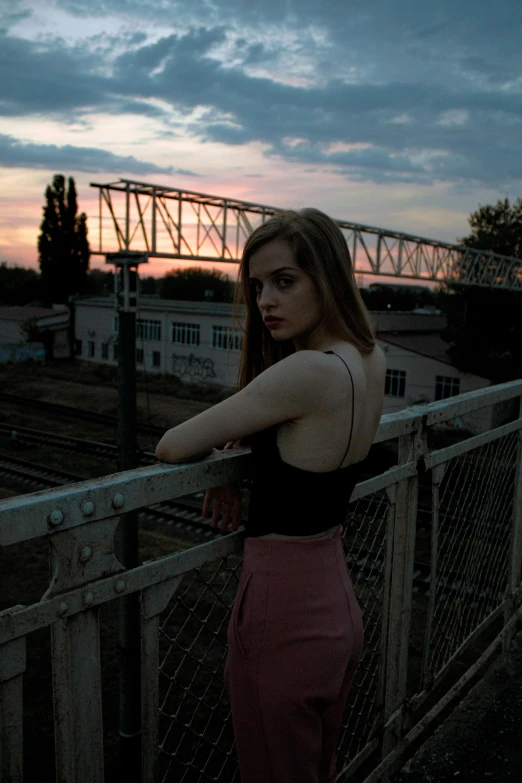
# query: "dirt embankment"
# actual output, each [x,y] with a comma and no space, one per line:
[162,401]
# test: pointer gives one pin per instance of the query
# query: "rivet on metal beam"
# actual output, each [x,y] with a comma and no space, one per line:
[119,586]
[88,508]
[88,598]
[118,500]
[85,553]
[63,607]
[56,517]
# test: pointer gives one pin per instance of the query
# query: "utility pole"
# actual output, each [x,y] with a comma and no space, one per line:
[126,296]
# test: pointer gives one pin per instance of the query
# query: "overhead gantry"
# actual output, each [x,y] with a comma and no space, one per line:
[163,222]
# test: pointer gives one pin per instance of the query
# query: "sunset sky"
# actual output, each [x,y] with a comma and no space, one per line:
[392,113]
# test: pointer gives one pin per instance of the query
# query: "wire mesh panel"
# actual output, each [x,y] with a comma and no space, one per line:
[470,546]
[448,518]
[196,734]
[365,544]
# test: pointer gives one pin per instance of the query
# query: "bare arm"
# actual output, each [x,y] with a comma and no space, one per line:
[282,392]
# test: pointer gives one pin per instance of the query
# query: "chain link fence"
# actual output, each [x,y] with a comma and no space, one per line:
[433,545]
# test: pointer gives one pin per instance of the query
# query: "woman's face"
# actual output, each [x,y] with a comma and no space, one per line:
[289,294]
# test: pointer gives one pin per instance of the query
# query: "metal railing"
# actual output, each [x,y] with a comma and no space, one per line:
[453,514]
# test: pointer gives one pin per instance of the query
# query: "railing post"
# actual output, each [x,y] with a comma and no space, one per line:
[154,600]
[411,447]
[437,475]
[78,722]
[12,667]
[515,558]
[79,556]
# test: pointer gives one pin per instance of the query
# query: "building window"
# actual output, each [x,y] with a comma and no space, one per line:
[78,347]
[115,352]
[446,386]
[148,330]
[115,325]
[226,338]
[395,383]
[184,334]
[156,359]
[139,355]
[105,350]
[90,349]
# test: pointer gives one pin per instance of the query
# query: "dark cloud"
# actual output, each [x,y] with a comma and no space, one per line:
[435,92]
[11,15]
[53,79]
[450,126]
[17,154]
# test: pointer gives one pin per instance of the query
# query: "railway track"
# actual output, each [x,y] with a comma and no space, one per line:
[71,412]
[69,443]
[185,516]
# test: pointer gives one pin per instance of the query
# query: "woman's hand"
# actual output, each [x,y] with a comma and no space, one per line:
[227,500]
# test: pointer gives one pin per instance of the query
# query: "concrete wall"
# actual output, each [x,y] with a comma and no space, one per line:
[10,332]
[21,352]
[203,363]
[421,372]
[397,321]
[207,363]
[61,349]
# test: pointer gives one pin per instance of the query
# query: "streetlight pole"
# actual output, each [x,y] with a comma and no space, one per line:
[126,296]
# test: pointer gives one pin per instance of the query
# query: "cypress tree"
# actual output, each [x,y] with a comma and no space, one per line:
[62,245]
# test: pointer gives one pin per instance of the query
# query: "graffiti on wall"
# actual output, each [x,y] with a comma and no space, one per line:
[194,367]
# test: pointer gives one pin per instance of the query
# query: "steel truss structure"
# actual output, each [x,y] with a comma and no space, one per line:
[173,223]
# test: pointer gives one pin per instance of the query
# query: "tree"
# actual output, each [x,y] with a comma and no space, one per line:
[62,245]
[19,286]
[496,228]
[384,296]
[99,282]
[148,286]
[485,324]
[196,285]
[484,330]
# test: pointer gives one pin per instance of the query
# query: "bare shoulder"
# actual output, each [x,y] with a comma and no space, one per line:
[300,370]
[378,359]
[297,372]
[379,355]
[306,370]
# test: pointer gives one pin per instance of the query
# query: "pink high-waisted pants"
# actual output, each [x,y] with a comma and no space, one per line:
[295,638]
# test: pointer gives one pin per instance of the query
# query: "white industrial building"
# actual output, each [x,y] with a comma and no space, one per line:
[199,342]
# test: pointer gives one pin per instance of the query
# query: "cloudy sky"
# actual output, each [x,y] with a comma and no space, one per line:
[393,113]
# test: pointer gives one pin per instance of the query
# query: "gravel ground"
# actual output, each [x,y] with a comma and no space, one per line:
[482,738]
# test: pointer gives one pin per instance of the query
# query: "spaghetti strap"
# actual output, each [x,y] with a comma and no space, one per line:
[353,404]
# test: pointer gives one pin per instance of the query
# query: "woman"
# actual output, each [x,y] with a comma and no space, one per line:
[311,391]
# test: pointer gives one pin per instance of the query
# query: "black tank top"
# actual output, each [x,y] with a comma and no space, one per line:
[292,501]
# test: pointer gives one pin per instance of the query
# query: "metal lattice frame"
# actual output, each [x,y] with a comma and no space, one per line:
[173,223]
[472,516]
[475,524]
[194,721]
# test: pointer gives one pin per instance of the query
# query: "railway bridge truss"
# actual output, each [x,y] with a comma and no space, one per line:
[172,223]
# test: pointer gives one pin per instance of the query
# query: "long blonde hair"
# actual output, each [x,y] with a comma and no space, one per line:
[320,249]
